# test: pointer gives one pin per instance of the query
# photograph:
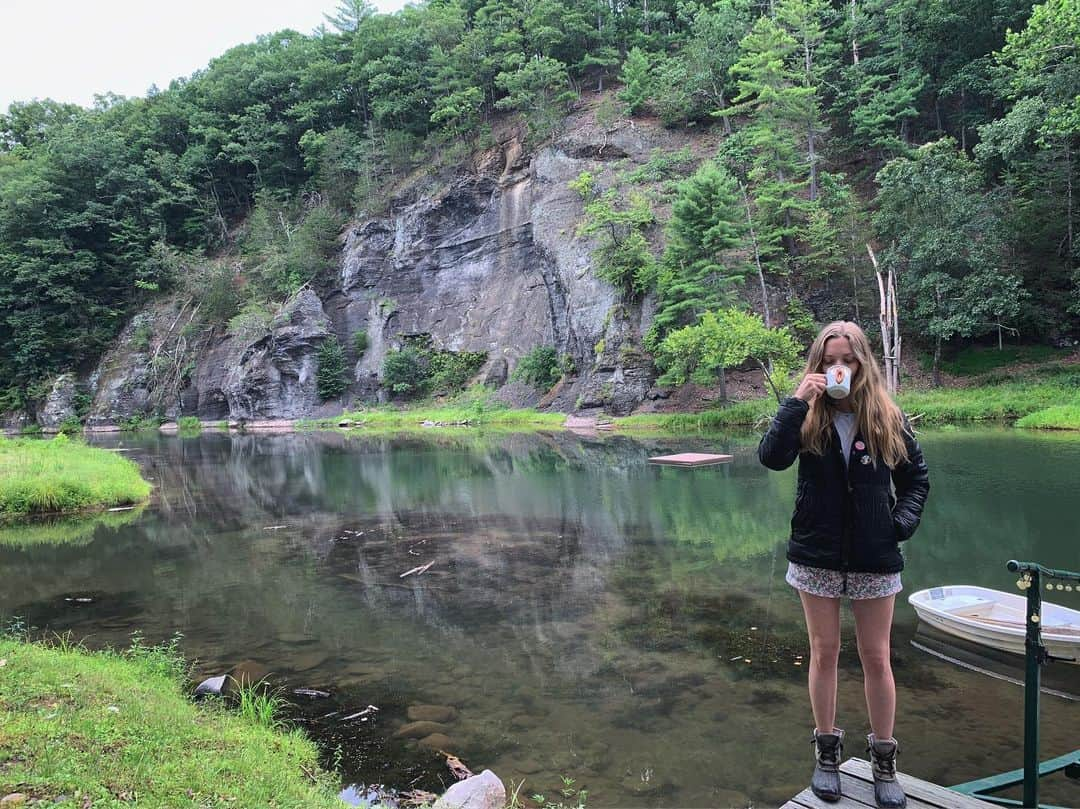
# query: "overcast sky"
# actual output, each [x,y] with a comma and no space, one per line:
[69,50]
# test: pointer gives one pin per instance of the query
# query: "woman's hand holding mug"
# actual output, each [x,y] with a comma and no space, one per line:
[812,386]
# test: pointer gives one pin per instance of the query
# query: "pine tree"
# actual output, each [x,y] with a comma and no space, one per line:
[636,81]
[697,274]
[808,21]
[779,103]
[879,92]
[331,377]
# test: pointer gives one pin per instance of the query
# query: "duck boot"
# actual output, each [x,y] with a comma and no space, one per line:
[887,790]
[828,750]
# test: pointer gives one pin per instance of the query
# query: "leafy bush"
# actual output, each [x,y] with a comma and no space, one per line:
[71,426]
[539,368]
[417,369]
[800,321]
[405,371]
[332,376]
[451,370]
[252,322]
[360,342]
[663,165]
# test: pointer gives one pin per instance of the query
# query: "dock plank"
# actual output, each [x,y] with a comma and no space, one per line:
[857,787]
[926,793]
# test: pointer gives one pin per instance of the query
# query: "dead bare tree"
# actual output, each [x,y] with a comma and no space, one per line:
[890,323]
[757,258]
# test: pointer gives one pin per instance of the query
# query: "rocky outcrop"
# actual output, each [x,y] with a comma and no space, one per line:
[60,404]
[488,261]
[272,377]
[460,267]
[129,380]
[493,264]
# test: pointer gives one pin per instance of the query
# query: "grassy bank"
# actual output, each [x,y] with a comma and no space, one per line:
[1058,417]
[474,408]
[1050,398]
[111,729]
[61,475]
[739,414]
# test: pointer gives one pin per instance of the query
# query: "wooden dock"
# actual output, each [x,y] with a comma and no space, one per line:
[857,785]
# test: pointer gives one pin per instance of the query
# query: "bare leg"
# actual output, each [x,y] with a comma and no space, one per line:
[873,624]
[823,628]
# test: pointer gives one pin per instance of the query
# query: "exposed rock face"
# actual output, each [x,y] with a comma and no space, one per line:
[273,377]
[489,262]
[125,383]
[494,265]
[60,404]
[461,267]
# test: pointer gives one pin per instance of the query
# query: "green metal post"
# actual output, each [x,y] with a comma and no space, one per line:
[1032,658]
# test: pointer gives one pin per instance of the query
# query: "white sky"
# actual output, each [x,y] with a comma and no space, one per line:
[68,50]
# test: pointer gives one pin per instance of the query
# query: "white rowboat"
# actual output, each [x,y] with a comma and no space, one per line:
[996,619]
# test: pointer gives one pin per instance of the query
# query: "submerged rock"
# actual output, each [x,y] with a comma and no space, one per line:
[432,713]
[439,741]
[417,730]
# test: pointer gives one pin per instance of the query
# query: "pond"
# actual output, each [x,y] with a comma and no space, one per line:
[585,614]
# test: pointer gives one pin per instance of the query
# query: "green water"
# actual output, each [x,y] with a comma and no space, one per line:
[586,614]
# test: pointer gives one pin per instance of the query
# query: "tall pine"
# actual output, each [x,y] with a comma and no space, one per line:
[778,103]
[699,273]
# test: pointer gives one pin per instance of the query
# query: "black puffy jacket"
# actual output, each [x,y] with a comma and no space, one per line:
[846,517]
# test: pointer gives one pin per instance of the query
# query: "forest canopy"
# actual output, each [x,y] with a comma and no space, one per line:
[947,132]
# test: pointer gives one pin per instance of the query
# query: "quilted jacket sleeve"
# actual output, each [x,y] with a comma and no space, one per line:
[912,481]
[779,447]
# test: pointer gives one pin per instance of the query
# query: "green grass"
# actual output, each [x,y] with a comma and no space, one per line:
[62,475]
[473,408]
[1009,400]
[1057,417]
[189,425]
[740,414]
[1050,397]
[260,706]
[976,360]
[113,729]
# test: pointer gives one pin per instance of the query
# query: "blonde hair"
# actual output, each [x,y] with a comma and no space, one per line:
[879,419]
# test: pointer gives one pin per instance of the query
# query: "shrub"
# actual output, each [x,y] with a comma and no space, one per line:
[539,368]
[451,370]
[405,371]
[252,322]
[360,342]
[332,376]
[71,426]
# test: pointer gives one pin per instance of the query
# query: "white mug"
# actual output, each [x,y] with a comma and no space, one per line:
[838,381]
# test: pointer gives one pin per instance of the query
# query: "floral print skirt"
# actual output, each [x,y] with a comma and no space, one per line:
[836,583]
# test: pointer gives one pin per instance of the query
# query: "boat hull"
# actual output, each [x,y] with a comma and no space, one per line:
[996,620]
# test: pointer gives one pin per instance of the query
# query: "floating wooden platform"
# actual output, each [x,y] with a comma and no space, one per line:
[690,459]
[857,785]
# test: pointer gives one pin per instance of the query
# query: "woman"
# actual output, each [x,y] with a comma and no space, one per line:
[845,536]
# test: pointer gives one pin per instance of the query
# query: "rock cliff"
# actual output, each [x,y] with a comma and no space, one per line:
[487,261]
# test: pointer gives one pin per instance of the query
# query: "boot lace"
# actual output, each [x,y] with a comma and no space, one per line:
[828,755]
[884,762]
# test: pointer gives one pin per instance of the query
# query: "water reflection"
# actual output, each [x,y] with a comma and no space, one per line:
[584,613]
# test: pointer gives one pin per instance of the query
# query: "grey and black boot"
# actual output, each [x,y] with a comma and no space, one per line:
[828,750]
[887,790]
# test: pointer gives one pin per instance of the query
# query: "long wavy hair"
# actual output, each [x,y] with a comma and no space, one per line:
[880,421]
